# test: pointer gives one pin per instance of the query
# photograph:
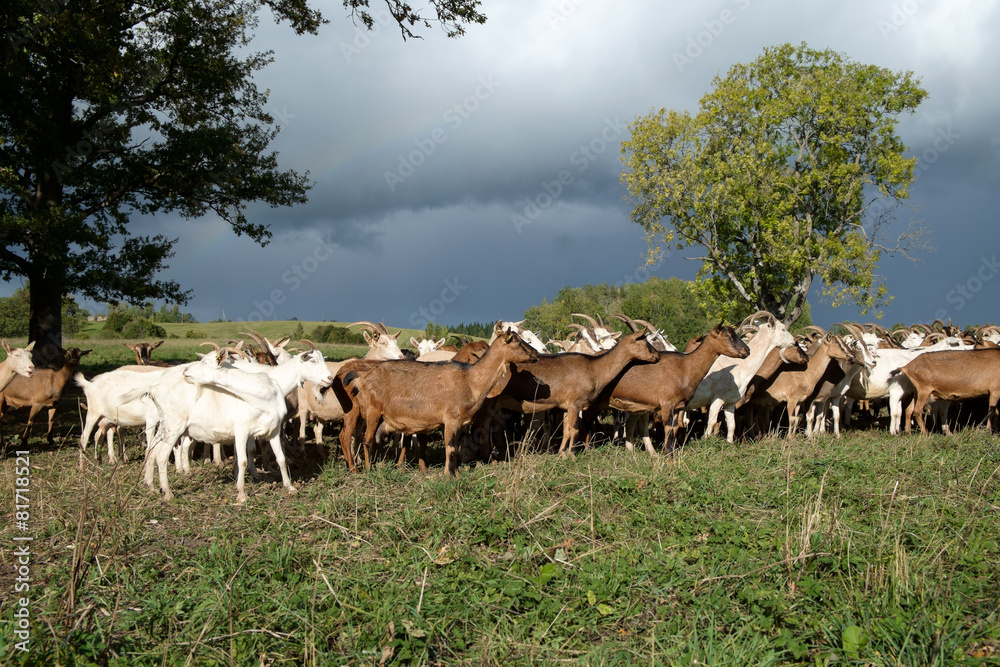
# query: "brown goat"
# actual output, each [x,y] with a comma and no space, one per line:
[667,385]
[954,375]
[572,382]
[411,397]
[793,387]
[471,352]
[326,407]
[142,353]
[42,390]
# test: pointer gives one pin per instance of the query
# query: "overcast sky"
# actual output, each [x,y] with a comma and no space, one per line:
[429,155]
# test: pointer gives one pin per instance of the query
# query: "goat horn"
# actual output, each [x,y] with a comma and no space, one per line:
[627,320]
[366,324]
[239,353]
[577,326]
[812,327]
[856,330]
[308,342]
[213,344]
[593,322]
[265,349]
[760,313]
[649,326]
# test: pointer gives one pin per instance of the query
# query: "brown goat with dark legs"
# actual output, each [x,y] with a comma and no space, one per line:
[411,397]
[143,351]
[42,390]
[954,375]
[793,387]
[572,382]
[667,385]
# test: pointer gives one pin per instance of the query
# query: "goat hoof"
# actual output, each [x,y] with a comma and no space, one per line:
[291,490]
[241,498]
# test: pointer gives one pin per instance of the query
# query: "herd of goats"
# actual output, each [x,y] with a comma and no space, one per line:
[487,395]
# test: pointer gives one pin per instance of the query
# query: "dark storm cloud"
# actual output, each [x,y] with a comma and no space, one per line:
[467,179]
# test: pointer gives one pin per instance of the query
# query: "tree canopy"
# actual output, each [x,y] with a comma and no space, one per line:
[122,108]
[791,169]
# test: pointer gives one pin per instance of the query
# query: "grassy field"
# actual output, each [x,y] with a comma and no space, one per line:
[870,550]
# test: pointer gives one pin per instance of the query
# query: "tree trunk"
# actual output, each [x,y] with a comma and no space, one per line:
[45,323]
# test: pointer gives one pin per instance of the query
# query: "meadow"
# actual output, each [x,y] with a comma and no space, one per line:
[869,550]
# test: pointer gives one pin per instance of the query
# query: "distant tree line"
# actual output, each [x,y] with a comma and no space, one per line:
[15,314]
[330,333]
[673,305]
[477,329]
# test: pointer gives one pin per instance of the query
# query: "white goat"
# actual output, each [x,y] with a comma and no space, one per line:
[223,404]
[727,380]
[871,384]
[18,362]
[107,410]
[426,346]
[528,336]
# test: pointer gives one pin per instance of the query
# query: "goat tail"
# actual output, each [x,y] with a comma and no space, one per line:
[894,373]
[350,383]
[81,380]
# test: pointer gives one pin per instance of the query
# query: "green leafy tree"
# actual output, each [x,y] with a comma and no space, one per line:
[791,169]
[671,305]
[118,109]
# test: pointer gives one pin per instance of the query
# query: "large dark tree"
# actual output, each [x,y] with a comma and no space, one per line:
[111,109]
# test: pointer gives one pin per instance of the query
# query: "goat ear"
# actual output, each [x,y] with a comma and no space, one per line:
[368,338]
[30,346]
[129,346]
[498,328]
[85,352]
[616,335]
[156,345]
[6,346]
[414,342]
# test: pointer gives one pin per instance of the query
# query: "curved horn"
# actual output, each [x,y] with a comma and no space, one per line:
[856,330]
[237,352]
[627,320]
[308,342]
[649,326]
[366,324]
[593,324]
[213,344]
[816,329]
[264,349]
[577,326]
[760,313]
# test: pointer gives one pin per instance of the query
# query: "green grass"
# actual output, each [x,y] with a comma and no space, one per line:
[870,550]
